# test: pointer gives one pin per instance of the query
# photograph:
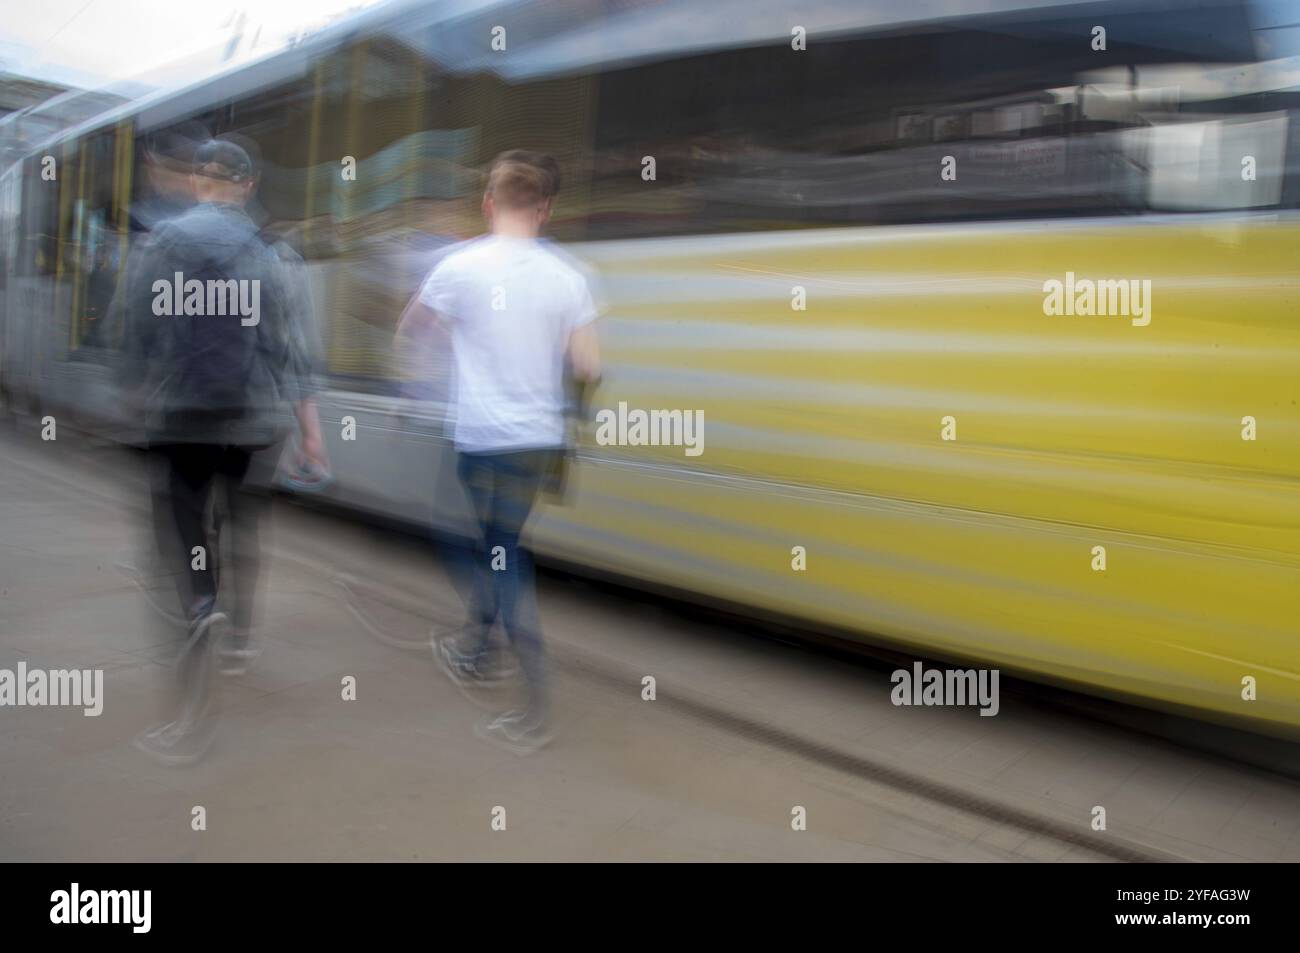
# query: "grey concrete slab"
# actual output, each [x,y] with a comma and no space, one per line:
[743,730]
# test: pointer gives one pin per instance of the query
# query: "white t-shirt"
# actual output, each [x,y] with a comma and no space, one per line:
[511,304]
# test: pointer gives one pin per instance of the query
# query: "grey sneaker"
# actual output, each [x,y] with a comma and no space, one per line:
[207,628]
[515,732]
[480,684]
[497,664]
[462,672]
[175,744]
[238,652]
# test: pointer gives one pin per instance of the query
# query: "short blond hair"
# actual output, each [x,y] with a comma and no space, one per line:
[519,179]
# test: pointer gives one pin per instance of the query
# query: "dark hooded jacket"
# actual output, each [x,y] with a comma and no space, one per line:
[166,403]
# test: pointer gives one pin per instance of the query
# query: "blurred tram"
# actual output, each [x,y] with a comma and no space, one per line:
[843,258]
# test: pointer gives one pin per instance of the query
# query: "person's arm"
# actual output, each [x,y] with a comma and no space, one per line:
[421,334]
[132,322]
[124,310]
[416,317]
[584,354]
[303,358]
[311,445]
[413,341]
[584,347]
[430,305]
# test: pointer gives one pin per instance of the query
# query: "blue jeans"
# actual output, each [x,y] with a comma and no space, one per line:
[502,488]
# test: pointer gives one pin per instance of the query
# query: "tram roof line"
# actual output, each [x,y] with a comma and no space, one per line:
[643,33]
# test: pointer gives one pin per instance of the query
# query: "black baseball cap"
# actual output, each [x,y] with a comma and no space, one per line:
[175,146]
[223,159]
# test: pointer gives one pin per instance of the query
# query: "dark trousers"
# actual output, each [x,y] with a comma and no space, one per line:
[502,488]
[199,475]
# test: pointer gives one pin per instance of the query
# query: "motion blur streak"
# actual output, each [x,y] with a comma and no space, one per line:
[976,547]
[803,270]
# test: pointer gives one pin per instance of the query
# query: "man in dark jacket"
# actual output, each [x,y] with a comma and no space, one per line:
[217,346]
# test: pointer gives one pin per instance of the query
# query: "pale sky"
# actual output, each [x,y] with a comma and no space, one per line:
[170,43]
[89,43]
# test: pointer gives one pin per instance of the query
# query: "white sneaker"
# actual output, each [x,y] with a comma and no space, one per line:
[238,653]
[513,732]
[174,744]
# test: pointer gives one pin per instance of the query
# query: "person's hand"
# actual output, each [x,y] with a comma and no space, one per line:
[311,453]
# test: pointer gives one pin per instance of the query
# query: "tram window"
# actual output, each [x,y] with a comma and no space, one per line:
[856,131]
[1290,197]
[11,198]
[40,224]
[858,134]
[373,220]
[417,139]
[88,240]
[1232,163]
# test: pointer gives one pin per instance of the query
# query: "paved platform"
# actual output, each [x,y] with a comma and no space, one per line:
[742,729]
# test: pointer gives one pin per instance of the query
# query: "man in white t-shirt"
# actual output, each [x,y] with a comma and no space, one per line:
[517,314]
